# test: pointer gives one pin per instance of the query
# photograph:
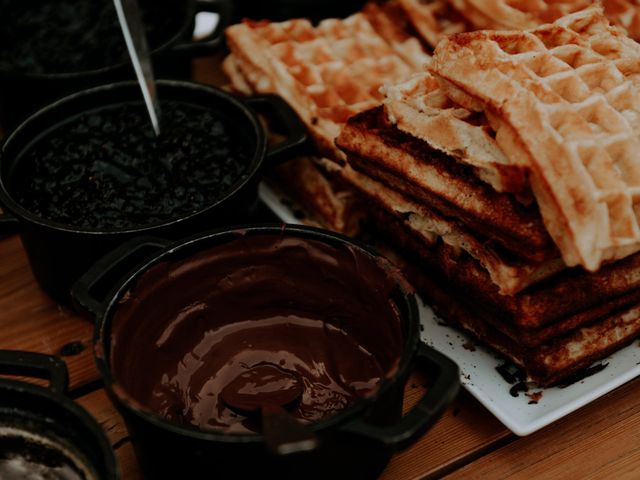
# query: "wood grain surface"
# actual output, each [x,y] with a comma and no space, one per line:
[30,320]
[601,440]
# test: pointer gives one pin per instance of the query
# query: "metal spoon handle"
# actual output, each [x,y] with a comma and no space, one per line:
[136,40]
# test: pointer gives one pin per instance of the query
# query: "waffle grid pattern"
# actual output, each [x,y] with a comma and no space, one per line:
[420,108]
[435,19]
[570,93]
[327,73]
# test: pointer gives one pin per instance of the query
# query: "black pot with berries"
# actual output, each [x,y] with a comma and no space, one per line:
[87,173]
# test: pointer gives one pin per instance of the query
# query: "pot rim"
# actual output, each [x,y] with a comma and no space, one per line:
[103,328]
[46,395]
[181,31]
[255,165]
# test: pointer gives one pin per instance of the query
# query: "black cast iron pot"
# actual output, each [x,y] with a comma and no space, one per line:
[43,426]
[357,442]
[60,253]
[23,92]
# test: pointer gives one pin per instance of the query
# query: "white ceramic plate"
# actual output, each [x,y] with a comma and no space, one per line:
[478,372]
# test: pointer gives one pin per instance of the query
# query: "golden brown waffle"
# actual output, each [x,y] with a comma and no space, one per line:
[516,14]
[436,19]
[326,73]
[237,82]
[549,353]
[389,21]
[626,14]
[420,108]
[329,201]
[507,272]
[552,361]
[433,19]
[433,178]
[568,102]
[540,306]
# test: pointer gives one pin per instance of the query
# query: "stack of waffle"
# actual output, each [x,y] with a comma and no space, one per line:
[334,70]
[511,172]
[456,166]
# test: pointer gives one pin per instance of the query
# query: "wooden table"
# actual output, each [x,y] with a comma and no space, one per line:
[602,440]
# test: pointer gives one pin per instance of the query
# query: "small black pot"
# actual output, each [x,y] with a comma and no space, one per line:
[23,93]
[60,253]
[355,443]
[279,10]
[42,422]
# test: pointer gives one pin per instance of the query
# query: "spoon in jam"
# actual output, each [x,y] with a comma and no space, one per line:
[135,37]
[268,390]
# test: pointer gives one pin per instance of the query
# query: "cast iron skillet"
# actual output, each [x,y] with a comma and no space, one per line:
[60,253]
[23,93]
[356,443]
[49,412]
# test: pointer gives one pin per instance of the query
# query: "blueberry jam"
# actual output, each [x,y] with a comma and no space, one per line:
[66,36]
[106,169]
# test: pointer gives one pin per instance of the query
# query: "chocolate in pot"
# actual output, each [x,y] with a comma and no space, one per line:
[285,306]
[335,370]
[191,328]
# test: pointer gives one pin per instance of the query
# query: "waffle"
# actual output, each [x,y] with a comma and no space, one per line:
[507,272]
[433,19]
[436,19]
[435,179]
[390,22]
[567,96]
[515,15]
[420,108]
[550,362]
[326,73]
[310,180]
[237,82]
[626,14]
[321,192]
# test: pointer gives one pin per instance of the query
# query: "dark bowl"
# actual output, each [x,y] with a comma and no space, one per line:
[356,442]
[42,429]
[60,252]
[25,88]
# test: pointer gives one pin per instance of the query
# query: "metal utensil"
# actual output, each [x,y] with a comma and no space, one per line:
[136,40]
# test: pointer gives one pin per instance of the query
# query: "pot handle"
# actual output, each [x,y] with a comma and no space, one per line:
[38,365]
[418,420]
[295,131]
[91,292]
[8,224]
[208,45]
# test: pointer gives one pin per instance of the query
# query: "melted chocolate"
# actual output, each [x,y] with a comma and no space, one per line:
[263,385]
[582,374]
[190,328]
